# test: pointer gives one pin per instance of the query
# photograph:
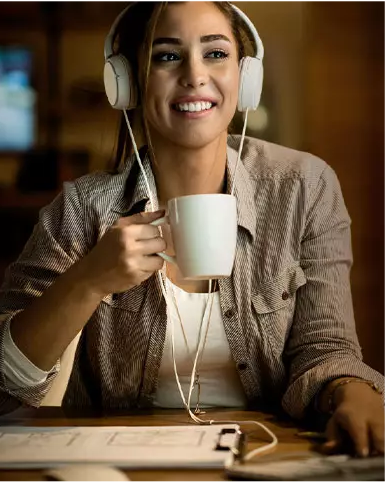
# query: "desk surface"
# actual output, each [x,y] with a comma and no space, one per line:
[54,416]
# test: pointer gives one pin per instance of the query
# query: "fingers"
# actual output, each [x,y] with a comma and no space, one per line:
[151,246]
[376,432]
[152,263]
[140,218]
[138,227]
[359,433]
[347,433]
[354,432]
[143,232]
[333,436]
[357,430]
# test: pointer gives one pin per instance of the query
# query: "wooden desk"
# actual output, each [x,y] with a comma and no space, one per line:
[55,416]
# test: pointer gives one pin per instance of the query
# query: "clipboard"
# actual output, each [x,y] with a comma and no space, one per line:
[134,447]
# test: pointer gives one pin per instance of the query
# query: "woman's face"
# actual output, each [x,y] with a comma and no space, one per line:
[193,81]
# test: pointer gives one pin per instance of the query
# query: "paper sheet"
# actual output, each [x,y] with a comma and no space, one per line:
[128,447]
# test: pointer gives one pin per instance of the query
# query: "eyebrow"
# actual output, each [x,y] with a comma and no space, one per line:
[204,39]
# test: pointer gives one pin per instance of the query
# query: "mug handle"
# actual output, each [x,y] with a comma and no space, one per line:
[156,223]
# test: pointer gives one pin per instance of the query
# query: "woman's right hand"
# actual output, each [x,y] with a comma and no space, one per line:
[125,256]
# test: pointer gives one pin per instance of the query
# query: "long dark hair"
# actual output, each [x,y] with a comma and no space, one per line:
[134,38]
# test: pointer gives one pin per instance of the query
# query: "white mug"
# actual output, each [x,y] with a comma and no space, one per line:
[204,233]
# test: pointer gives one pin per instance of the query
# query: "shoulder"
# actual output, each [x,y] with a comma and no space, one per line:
[98,186]
[263,159]
[96,193]
[89,200]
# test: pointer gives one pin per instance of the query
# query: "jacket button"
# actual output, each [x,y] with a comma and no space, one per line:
[285,295]
[229,313]
[242,366]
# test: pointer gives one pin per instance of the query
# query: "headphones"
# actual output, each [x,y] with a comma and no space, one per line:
[120,86]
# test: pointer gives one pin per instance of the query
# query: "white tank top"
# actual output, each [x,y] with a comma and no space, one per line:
[220,383]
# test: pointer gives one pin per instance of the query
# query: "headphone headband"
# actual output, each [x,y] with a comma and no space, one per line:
[108,43]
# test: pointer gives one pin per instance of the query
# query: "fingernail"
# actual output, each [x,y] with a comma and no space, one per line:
[364,452]
[331,443]
[330,447]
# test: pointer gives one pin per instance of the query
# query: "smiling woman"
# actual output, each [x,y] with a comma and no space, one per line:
[140,39]
[279,331]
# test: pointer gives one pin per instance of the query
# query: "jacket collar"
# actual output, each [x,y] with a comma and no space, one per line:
[135,197]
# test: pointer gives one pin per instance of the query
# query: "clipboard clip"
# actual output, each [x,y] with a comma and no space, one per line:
[238,448]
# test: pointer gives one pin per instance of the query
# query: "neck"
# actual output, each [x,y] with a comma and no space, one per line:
[183,171]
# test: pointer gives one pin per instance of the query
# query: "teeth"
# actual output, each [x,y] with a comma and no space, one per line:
[194,107]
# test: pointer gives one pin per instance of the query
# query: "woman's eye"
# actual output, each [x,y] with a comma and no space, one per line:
[217,54]
[166,57]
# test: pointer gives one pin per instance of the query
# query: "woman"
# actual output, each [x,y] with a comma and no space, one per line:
[283,324]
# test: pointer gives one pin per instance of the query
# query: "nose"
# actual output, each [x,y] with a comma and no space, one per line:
[194,73]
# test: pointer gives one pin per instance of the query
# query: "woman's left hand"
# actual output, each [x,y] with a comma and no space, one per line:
[357,422]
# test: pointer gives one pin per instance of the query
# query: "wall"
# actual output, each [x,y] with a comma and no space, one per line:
[281,28]
[92,127]
[344,124]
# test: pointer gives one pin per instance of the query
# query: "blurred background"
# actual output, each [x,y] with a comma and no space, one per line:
[323,93]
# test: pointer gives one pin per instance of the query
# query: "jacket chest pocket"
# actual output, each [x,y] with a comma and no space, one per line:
[120,335]
[274,304]
[117,321]
[130,301]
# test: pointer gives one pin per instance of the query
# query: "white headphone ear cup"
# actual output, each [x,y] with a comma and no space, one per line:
[250,83]
[119,83]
